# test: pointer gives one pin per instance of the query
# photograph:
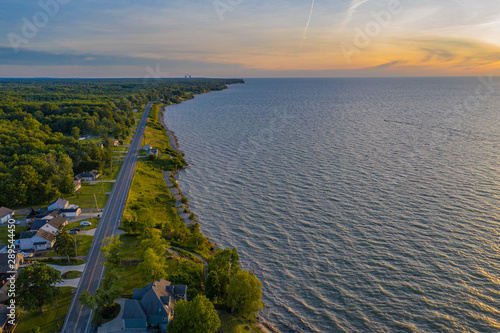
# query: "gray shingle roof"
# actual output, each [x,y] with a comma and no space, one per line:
[57,222]
[4,211]
[27,234]
[133,310]
[37,225]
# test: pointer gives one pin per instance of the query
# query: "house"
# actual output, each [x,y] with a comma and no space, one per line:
[147,147]
[6,214]
[58,204]
[115,142]
[152,152]
[53,226]
[4,315]
[152,306]
[37,240]
[100,145]
[5,265]
[92,175]
[77,184]
[71,212]
[41,215]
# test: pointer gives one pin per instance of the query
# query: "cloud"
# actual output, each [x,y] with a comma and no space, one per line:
[351,10]
[388,64]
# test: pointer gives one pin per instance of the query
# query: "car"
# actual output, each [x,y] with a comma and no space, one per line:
[85,223]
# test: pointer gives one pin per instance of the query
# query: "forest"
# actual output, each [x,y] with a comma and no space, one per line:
[41,121]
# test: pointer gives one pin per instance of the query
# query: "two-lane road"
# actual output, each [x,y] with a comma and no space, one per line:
[79,318]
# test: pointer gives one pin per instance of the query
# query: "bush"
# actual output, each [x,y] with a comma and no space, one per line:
[184,200]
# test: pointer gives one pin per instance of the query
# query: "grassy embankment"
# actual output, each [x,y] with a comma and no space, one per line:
[149,191]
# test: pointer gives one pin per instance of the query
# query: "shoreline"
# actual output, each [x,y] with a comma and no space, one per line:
[174,142]
[265,326]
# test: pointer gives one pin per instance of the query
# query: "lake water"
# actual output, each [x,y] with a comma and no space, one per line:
[363,205]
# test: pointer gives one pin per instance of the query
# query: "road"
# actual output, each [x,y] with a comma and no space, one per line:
[79,318]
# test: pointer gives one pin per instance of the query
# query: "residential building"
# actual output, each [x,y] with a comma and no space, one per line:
[152,306]
[71,212]
[147,147]
[6,214]
[152,152]
[58,204]
[5,264]
[89,176]
[38,240]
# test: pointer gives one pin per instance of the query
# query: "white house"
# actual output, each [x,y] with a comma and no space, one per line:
[53,226]
[71,212]
[35,240]
[5,214]
[58,204]
[147,147]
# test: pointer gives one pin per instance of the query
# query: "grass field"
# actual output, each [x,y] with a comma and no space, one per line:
[234,324]
[51,320]
[85,196]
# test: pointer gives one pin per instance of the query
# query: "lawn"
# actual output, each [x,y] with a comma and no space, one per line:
[95,222]
[4,233]
[85,196]
[51,320]
[108,175]
[84,243]
[232,323]
[71,275]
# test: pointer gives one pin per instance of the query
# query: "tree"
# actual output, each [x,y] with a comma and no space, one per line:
[75,132]
[223,266]
[197,316]
[102,299]
[154,265]
[111,251]
[65,244]
[36,286]
[153,240]
[244,294]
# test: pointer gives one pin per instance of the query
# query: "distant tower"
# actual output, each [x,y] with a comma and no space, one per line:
[187,76]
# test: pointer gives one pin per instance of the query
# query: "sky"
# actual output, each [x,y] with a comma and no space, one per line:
[243,38]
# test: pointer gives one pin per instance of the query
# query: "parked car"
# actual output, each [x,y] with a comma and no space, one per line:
[74,231]
[85,223]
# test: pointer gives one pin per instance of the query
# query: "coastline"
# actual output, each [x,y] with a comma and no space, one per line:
[263,325]
[174,142]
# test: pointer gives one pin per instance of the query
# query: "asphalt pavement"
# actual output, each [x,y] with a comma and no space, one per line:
[79,318]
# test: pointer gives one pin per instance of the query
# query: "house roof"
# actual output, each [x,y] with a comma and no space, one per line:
[4,211]
[70,210]
[46,235]
[133,310]
[178,290]
[4,262]
[60,201]
[157,298]
[4,315]
[37,224]
[2,246]
[27,234]
[57,222]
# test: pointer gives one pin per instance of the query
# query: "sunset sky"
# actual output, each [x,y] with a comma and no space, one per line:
[243,38]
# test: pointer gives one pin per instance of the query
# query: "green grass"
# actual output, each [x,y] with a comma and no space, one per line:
[84,243]
[72,275]
[4,233]
[232,323]
[108,175]
[95,222]
[51,320]
[85,196]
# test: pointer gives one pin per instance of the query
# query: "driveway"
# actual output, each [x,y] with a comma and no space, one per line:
[115,325]
[64,269]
